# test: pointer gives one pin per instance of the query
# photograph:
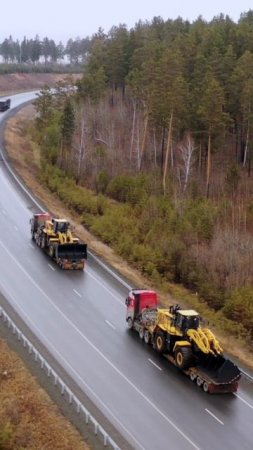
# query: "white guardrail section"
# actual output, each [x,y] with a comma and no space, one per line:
[58,382]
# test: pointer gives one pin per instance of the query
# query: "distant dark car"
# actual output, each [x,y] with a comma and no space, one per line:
[5,104]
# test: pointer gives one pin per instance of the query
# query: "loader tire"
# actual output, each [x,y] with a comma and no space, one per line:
[184,357]
[160,343]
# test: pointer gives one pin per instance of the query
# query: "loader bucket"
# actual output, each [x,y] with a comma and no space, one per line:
[221,369]
[227,372]
[72,252]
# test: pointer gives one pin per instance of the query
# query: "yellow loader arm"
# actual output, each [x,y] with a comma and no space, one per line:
[205,341]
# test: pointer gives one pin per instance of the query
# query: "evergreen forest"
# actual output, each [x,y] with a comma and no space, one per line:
[153,147]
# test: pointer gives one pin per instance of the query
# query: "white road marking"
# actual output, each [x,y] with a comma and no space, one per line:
[20,184]
[32,246]
[214,416]
[51,267]
[77,293]
[15,227]
[97,350]
[244,401]
[110,324]
[104,287]
[154,364]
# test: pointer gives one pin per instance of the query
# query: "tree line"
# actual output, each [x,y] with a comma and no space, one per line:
[44,50]
[162,122]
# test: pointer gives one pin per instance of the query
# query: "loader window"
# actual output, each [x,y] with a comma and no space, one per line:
[187,322]
[62,227]
[191,322]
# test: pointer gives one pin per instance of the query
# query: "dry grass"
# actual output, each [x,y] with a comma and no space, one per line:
[27,414]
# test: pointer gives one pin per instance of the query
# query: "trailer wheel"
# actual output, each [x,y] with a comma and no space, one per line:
[141,333]
[199,382]
[51,251]
[160,342]
[130,323]
[205,386]
[183,357]
[146,337]
[193,376]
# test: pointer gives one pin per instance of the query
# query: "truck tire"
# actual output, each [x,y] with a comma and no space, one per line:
[160,344]
[51,251]
[183,357]
[141,333]
[130,323]
[147,337]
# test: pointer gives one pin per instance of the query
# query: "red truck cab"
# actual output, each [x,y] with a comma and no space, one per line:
[138,300]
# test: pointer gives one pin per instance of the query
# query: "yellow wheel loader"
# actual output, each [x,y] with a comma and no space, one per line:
[177,334]
[55,238]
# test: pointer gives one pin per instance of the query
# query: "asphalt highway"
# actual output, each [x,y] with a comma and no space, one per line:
[80,318]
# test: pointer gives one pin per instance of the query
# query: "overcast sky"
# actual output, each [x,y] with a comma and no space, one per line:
[61,19]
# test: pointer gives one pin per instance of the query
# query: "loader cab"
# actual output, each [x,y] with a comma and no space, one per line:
[186,320]
[60,226]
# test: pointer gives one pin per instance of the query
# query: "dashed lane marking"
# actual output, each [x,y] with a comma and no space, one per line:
[244,401]
[110,324]
[77,293]
[154,364]
[214,416]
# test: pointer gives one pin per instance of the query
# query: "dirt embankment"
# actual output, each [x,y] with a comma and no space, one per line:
[20,82]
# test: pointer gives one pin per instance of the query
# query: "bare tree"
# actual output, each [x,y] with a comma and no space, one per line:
[79,141]
[186,159]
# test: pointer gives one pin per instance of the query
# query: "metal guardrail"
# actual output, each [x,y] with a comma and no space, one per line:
[58,382]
